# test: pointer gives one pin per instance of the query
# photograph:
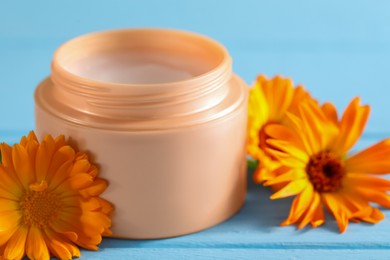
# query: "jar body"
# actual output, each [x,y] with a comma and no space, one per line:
[167,181]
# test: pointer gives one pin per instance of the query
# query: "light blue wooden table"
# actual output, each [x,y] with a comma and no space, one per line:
[339,49]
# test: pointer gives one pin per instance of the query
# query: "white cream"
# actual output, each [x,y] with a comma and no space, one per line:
[137,68]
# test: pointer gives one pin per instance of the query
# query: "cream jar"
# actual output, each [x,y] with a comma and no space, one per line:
[163,116]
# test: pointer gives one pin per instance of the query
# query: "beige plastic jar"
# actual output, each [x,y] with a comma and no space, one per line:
[163,116]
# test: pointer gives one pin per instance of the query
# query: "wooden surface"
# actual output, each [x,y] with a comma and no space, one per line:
[338,49]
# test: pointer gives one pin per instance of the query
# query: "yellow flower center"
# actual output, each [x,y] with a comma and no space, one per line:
[325,171]
[39,206]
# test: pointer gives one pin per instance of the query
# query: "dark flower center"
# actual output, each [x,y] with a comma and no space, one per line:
[325,171]
[40,208]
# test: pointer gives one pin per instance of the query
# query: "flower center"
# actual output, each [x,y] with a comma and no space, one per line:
[39,206]
[325,171]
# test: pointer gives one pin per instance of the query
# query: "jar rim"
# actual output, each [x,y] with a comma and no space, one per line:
[199,99]
[61,74]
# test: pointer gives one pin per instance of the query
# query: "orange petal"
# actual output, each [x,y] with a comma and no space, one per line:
[61,175]
[22,165]
[372,195]
[107,207]
[308,216]
[43,157]
[59,246]
[6,157]
[300,204]
[281,132]
[31,148]
[32,137]
[288,148]
[96,188]
[318,217]
[59,142]
[286,177]
[286,159]
[297,125]
[279,96]
[352,125]
[310,127]
[62,155]
[14,249]
[8,205]
[75,182]
[59,250]
[9,220]
[330,112]
[9,183]
[374,159]
[334,207]
[362,180]
[35,245]
[80,166]
[369,214]
[291,189]
[300,95]
[258,110]
[5,235]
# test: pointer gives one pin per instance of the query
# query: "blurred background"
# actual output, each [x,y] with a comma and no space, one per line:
[337,49]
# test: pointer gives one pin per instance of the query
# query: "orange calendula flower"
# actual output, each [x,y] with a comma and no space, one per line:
[314,146]
[269,100]
[49,200]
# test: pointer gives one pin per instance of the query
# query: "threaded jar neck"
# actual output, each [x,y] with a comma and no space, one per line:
[141,73]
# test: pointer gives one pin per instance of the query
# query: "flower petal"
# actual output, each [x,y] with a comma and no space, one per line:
[318,217]
[22,165]
[9,184]
[281,132]
[6,157]
[62,155]
[80,166]
[308,216]
[300,204]
[35,245]
[8,220]
[374,159]
[352,125]
[362,180]
[291,189]
[15,247]
[59,246]
[288,176]
[278,93]
[61,175]
[289,148]
[333,205]
[96,188]
[330,112]
[286,159]
[44,156]
[372,195]
[76,182]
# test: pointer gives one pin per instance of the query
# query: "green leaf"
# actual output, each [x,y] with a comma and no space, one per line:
[252,164]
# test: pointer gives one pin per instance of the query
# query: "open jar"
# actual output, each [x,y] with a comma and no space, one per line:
[163,116]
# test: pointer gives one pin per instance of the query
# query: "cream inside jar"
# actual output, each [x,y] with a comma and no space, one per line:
[152,61]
